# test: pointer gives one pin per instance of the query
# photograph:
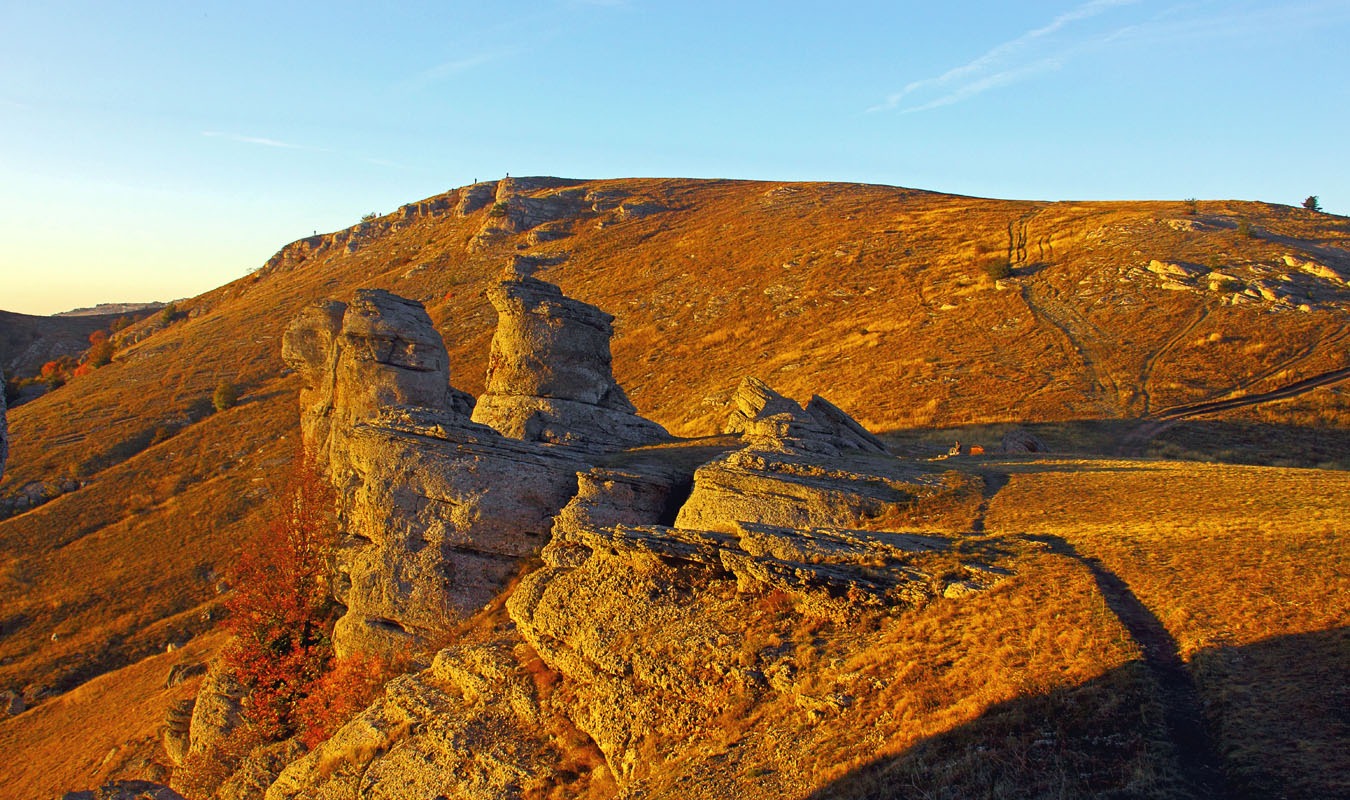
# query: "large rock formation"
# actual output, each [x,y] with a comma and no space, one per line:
[437,509]
[549,373]
[654,559]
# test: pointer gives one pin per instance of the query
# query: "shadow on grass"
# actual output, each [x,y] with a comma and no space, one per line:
[1216,441]
[1276,710]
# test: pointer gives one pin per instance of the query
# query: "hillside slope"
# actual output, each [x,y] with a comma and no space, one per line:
[878,297]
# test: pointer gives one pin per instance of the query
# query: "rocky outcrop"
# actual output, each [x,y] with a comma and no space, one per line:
[549,376]
[766,419]
[437,509]
[376,352]
[217,710]
[797,490]
[469,727]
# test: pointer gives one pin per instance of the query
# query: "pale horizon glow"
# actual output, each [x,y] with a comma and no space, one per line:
[152,152]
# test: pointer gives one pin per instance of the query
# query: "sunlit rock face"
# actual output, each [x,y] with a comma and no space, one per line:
[436,509]
[549,375]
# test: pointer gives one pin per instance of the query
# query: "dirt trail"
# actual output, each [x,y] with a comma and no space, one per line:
[1183,712]
[1146,374]
[1083,336]
[1134,441]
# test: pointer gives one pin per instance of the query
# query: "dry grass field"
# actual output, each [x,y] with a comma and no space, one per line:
[878,298]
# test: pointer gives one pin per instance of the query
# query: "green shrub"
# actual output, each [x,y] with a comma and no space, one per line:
[168,314]
[225,396]
[371,217]
[1192,205]
[998,268]
[1311,203]
[498,210]
[1244,228]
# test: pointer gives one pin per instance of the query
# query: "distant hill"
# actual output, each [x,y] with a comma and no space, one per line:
[28,341]
[111,308]
[1111,326]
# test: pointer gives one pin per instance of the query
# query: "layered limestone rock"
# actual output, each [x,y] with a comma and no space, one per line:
[378,351]
[766,419]
[440,511]
[799,491]
[437,509]
[549,375]
[670,583]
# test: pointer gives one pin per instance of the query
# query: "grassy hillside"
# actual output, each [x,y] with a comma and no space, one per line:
[913,310]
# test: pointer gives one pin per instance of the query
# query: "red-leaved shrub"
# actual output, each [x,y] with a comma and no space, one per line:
[281,611]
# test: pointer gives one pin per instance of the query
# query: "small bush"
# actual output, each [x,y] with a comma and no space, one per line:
[100,349]
[225,396]
[1245,229]
[498,210]
[169,314]
[1192,205]
[371,217]
[998,268]
[1311,203]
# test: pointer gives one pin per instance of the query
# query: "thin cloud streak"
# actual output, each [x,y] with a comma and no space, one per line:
[997,55]
[1000,66]
[263,141]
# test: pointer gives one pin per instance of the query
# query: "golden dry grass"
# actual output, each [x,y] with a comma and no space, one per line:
[105,730]
[1246,567]
[871,296]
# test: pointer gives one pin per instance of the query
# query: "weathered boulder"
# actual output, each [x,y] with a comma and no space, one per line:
[1021,440]
[549,375]
[766,419]
[259,770]
[798,490]
[217,710]
[177,730]
[468,727]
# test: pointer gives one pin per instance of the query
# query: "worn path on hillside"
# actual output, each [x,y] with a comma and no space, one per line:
[1082,337]
[1134,441]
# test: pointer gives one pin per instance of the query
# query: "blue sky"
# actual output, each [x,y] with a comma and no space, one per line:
[156,150]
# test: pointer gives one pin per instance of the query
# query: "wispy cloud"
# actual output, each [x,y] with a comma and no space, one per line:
[264,141]
[1066,37]
[1038,50]
[449,69]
